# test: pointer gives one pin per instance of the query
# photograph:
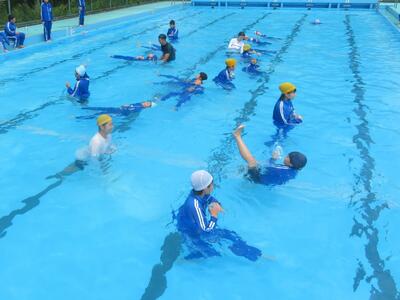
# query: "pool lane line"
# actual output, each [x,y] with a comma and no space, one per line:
[190,71]
[23,116]
[92,50]
[19,118]
[222,155]
[33,201]
[172,241]
[209,24]
[364,198]
[172,244]
[129,63]
[171,247]
[30,203]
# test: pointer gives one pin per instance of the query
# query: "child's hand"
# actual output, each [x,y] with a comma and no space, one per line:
[214,209]
[67,85]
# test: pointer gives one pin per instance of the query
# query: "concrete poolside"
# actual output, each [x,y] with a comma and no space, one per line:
[392,12]
[34,33]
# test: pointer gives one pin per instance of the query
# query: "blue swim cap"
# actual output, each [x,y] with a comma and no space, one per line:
[297,160]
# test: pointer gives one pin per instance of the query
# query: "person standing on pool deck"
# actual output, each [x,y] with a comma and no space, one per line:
[273,173]
[237,43]
[284,114]
[82,11]
[81,88]
[166,48]
[46,15]
[172,31]
[225,77]
[11,32]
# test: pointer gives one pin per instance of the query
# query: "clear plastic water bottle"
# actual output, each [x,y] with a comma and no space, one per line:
[277,152]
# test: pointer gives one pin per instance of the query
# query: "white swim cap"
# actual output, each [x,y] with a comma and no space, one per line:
[317,21]
[81,70]
[201,180]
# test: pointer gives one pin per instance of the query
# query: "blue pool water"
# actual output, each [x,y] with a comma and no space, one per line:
[328,234]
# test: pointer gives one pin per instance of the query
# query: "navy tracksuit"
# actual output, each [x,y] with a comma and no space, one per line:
[133,58]
[81,89]
[224,79]
[4,40]
[199,234]
[82,11]
[172,34]
[124,110]
[11,32]
[189,89]
[272,174]
[46,15]
[284,114]
[252,69]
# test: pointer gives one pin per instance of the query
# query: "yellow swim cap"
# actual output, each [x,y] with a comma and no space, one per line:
[103,119]
[287,87]
[230,62]
[246,47]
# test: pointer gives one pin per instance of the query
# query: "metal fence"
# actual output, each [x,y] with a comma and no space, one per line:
[28,11]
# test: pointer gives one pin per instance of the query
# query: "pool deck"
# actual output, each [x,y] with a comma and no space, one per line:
[64,27]
[392,12]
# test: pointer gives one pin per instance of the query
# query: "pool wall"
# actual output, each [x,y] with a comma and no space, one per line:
[75,34]
[395,12]
[365,4]
[117,18]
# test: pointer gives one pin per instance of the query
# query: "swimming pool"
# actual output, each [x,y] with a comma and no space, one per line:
[328,234]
